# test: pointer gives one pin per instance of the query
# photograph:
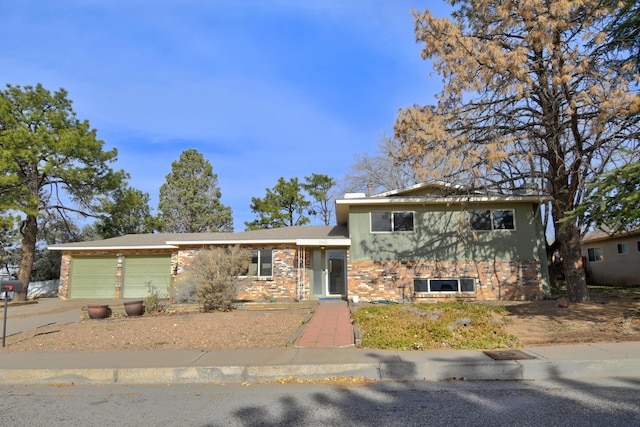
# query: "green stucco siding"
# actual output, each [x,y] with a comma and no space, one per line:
[443,232]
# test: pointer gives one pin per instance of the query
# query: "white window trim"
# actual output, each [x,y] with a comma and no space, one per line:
[457,292]
[258,276]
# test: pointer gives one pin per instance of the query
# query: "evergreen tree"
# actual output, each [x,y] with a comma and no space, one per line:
[623,33]
[614,205]
[127,212]
[284,205]
[46,152]
[190,197]
[319,187]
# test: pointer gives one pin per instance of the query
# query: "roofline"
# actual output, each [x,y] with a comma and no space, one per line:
[343,241]
[443,200]
[228,241]
[101,248]
[299,242]
[435,183]
[606,236]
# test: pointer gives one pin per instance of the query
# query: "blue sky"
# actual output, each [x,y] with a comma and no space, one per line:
[263,89]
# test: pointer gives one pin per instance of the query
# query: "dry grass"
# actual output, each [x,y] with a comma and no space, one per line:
[428,326]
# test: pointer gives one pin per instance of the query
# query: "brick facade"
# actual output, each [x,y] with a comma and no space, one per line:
[369,280]
[287,282]
[495,280]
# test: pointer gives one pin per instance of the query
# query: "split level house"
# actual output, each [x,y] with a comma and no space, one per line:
[427,242]
[612,259]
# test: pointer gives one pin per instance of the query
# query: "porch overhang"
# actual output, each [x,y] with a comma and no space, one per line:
[324,242]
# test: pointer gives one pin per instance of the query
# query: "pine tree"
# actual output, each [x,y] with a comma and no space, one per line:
[190,197]
[47,152]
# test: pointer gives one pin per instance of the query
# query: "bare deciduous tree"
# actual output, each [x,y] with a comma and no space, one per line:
[380,172]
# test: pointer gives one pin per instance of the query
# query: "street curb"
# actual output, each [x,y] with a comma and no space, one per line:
[522,370]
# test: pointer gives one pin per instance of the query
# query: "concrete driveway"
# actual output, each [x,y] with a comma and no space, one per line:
[44,312]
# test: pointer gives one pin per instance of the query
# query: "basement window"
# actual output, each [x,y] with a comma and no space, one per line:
[421,285]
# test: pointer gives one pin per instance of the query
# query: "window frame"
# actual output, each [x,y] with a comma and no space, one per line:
[622,248]
[259,265]
[393,222]
[491,220]
[435,285]
[592,256]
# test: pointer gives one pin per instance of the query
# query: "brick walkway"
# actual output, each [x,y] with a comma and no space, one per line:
[329,327]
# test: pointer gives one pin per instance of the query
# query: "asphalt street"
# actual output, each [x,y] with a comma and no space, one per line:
[547,403]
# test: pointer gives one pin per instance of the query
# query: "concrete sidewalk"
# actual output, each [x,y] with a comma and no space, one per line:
[222,366]
[317,355]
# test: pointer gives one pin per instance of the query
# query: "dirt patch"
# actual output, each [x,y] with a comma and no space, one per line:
[203,331]
[606,318]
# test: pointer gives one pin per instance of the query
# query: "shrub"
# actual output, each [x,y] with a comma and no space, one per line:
[185,290]
[153,302]
[215,273]
[451,325]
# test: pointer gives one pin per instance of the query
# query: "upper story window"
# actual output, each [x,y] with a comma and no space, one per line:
[595,254]
[386,222]
[623,248]
[260,265]
[487,220]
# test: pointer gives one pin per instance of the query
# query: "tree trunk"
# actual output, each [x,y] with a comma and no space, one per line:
[577,290]
[29,231]
[554,266]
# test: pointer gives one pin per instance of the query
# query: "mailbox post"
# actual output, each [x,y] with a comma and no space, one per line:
[7,286]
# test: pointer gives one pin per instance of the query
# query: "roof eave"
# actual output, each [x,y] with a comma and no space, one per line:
[298,242]
[109,248]
[443,200]
[324,242]
[228,241]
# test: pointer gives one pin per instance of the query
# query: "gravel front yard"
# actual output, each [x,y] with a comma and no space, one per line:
[206,331]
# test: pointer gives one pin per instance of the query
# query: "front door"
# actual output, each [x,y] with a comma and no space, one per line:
[329,277]
[336,273]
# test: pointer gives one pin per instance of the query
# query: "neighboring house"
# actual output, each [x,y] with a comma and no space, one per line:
[613,259]
[427,242]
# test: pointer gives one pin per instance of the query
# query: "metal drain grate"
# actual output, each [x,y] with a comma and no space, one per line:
[508,355]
